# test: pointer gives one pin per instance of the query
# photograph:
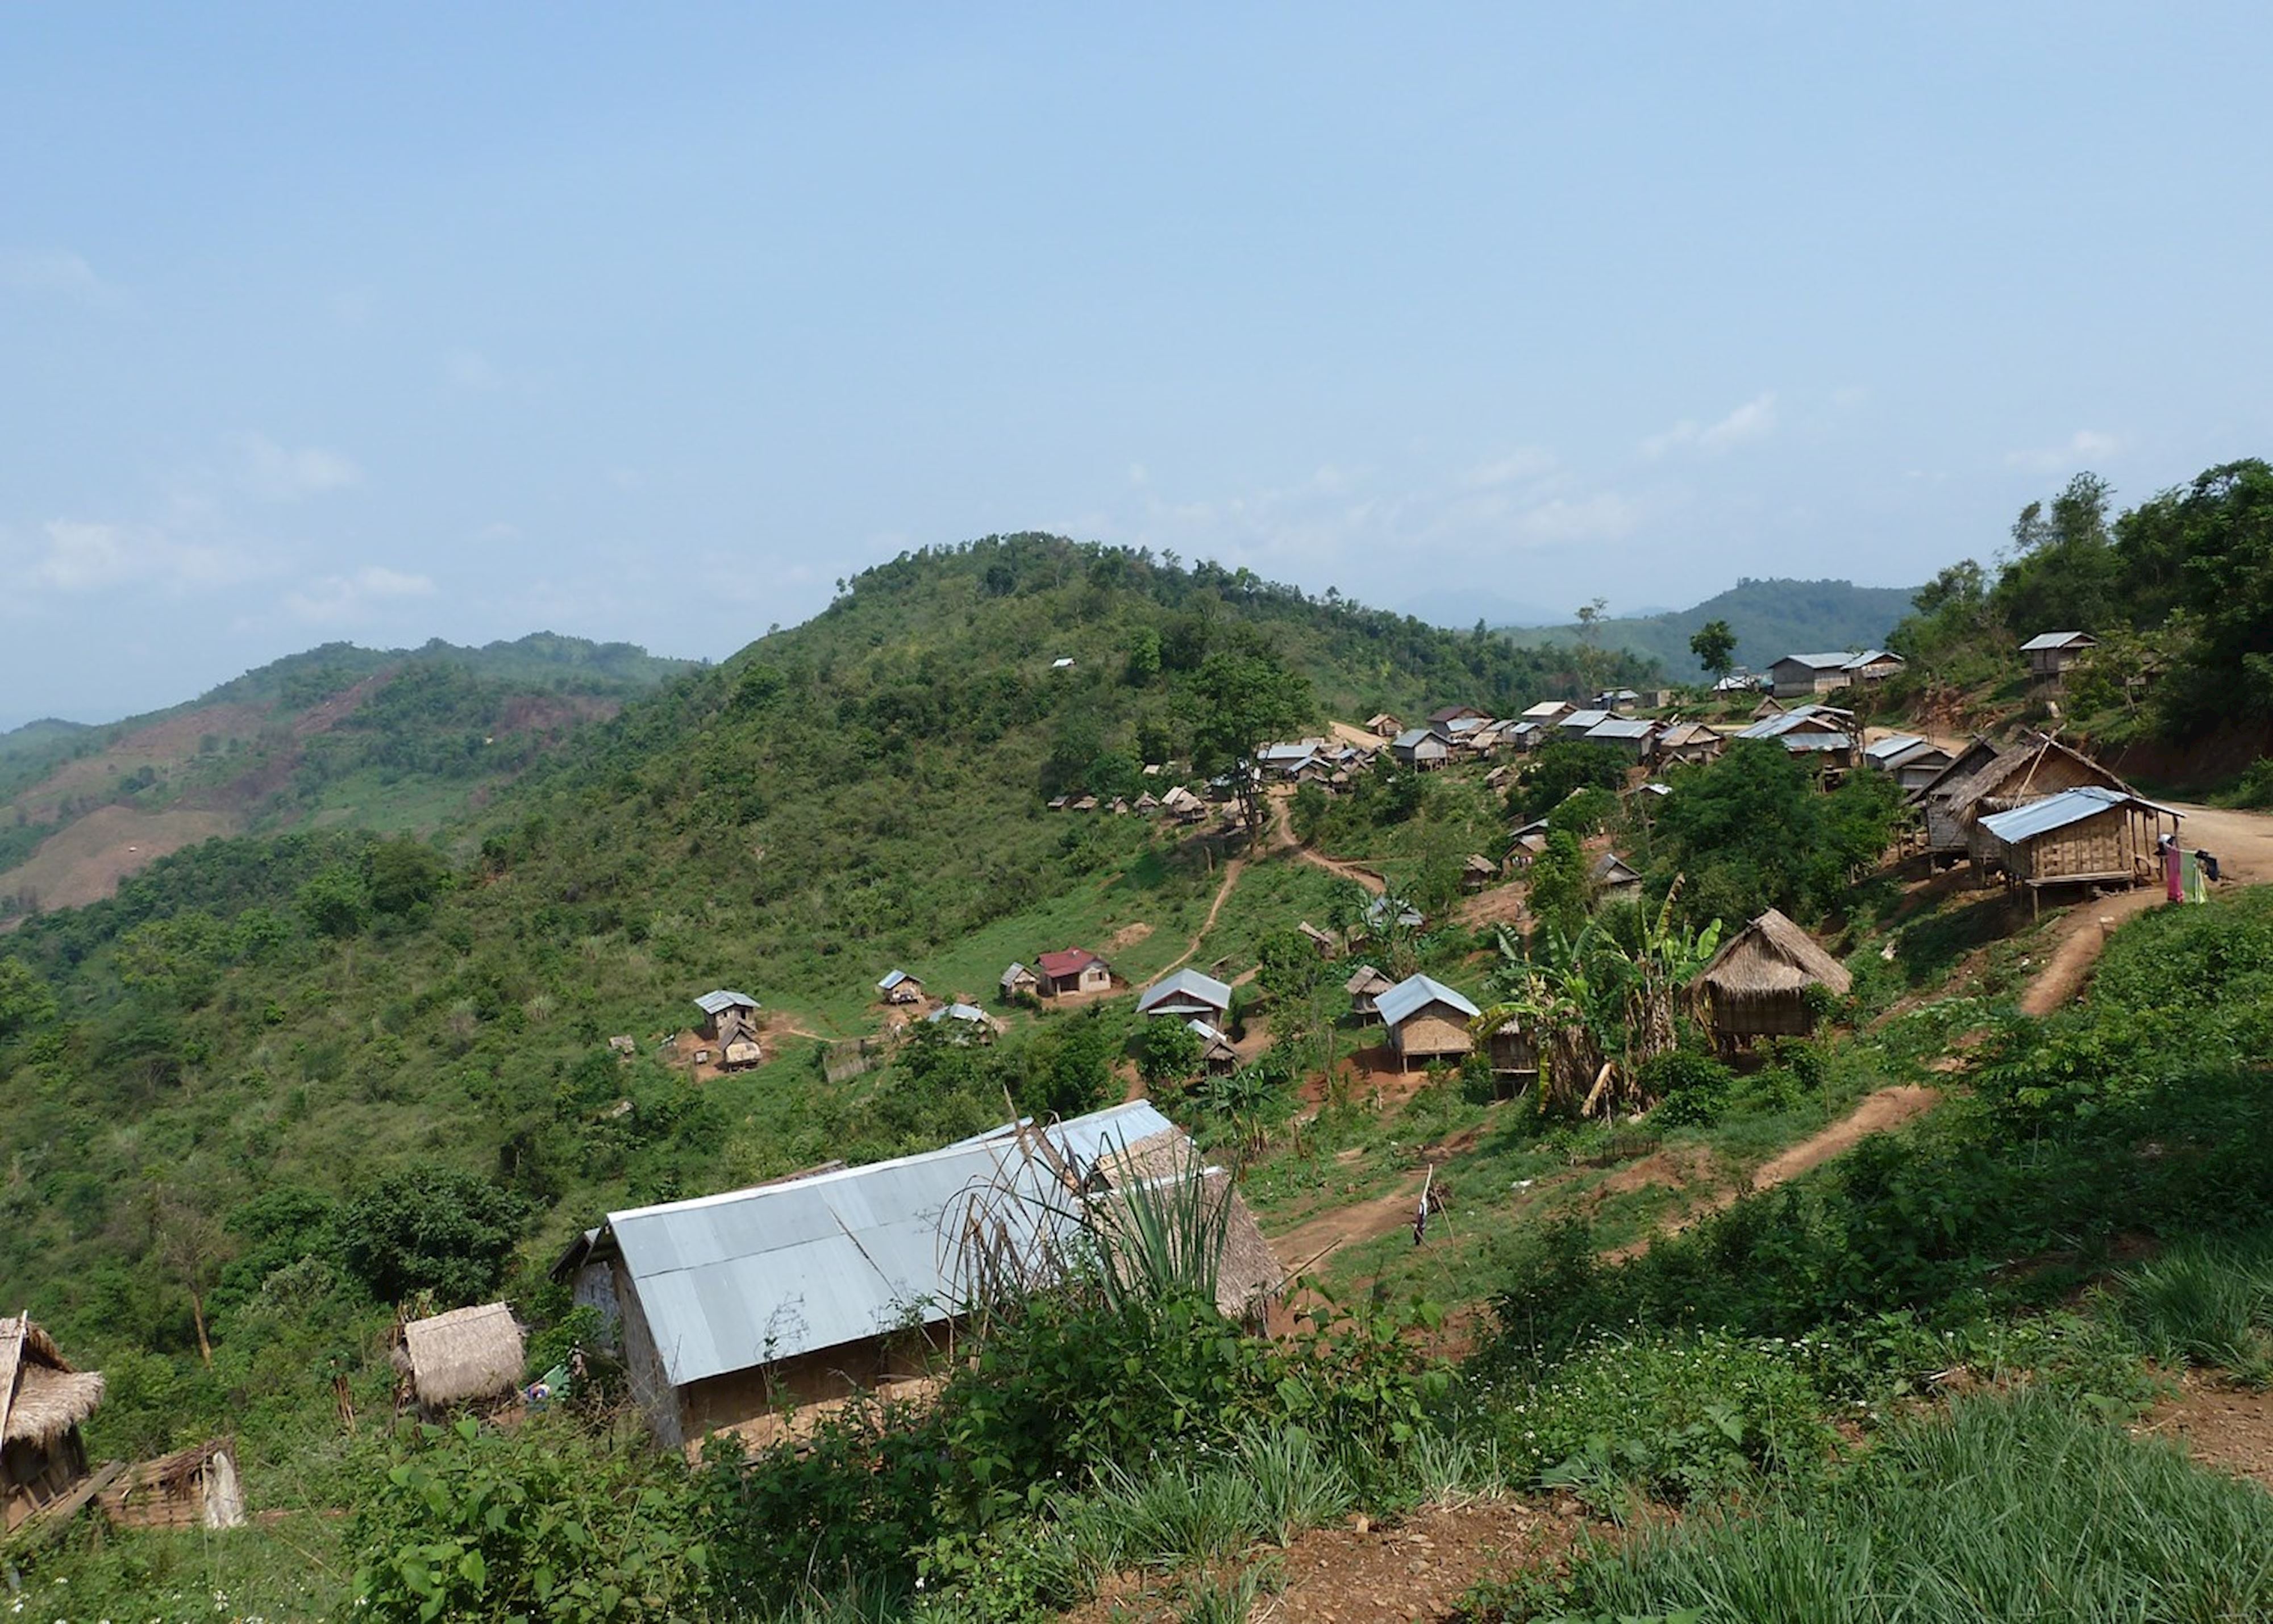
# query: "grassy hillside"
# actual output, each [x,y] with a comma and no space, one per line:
[373,738]
[303,1011]
[1771,618]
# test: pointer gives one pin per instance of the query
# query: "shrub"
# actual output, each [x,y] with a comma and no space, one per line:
[431,1229]
[538,1523]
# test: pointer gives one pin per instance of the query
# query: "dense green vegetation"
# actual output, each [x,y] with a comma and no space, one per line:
[277,1087]
[2177,590]
[1766,620]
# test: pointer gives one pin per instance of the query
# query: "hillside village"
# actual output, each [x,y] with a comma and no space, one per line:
[1476,1124]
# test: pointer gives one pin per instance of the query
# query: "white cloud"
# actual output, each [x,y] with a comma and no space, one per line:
[2083,446]
[1606,516]
[77,555]
[1525,462]
[58,274]
[277,474]
[1754,420]
[346,597]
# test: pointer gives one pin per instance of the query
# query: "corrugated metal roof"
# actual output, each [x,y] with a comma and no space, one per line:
[730,1281]
[1412,738]
[2055,640]
[1382,906]
[1870,656]
[1887,749]
[723,999]
[2058,811]
[1800,743]
[1618,727]
[970,1013]
[894,978]
[1580,721]
[1416,992]
[1185,986]
[1549,708]
[1066,961]
[1818,661]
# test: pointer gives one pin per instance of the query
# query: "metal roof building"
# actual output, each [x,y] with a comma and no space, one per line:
[1186,993]
[1417,992]
[716,1004]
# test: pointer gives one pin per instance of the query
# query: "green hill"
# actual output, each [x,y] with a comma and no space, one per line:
[261,1027]
[1771,618]
[338,736]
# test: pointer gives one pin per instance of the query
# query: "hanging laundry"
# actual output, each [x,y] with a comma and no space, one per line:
[2197,888]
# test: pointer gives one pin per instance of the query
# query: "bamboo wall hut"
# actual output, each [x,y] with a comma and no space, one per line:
[1364,987]
[1427,1021]
[1945,836]
[2088,835]
[466,1356]
[43,1401]
[1514,1055]
[196,1487]
[2034,769]
[1757,984]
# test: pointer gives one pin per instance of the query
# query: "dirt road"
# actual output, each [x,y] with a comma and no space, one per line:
[2242,842]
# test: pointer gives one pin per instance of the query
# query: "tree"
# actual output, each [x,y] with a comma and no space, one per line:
[405,875]
[24,1000]
[1590,641]
[1561,891]
[1715,644]
[431,1228]
[1171,1053]
[1239,701]
[1561,768]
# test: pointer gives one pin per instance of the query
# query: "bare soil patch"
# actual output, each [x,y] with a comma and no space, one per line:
[1500,905]
[84,861]
[2222,1426]
[1129,936]
[170,743]
[1416,1568]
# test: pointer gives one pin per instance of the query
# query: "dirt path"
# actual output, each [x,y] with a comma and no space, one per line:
[1232,870]
[2230,1428]
[1310,1242]
[1416,1568]
[1888,1108]
[2242,842]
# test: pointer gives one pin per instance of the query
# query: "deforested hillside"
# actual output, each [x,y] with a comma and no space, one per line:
[401,739]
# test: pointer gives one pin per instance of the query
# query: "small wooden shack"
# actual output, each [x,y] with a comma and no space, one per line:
[1757,984]
[43,1401]
[900,987]
[1365,988]
[1514,1055]
[1615,879]
[1019,982]
[2088,835]
[726,1015]
[1424,749]
[2034,769]
[1427,1021]
[1381,724]
[2051,653]
[1477,873]
[196,1487]
[1216,1051]
[467,1356]
[1945,835]
[1325,944]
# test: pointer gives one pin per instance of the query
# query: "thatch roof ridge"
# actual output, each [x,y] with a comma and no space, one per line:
[41,1397]
[1773,954]
[465,1354]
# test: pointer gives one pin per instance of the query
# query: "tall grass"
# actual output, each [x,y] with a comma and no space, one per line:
[2017,1510]
[2205,1302]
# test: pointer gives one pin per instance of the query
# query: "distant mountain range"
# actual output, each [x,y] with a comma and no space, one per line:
[1771,618]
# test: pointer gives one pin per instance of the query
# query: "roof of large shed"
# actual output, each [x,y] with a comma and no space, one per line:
[1580,721]
[727,1281]
[723,999]
[1818,661]
[893,979]
[1894,744]
[2058,811]
[1415,993]
[1189,983]
[1621,727]
[2056,639]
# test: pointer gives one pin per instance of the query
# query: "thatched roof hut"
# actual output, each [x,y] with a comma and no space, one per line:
[43,1401]
[462,1356]
[1365,986]
[1756,985]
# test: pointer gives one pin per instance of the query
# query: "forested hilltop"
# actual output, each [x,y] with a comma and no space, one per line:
[205,1072]
[1768,619]
[388,739]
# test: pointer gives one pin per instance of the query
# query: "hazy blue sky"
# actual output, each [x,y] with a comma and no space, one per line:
[648,322]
